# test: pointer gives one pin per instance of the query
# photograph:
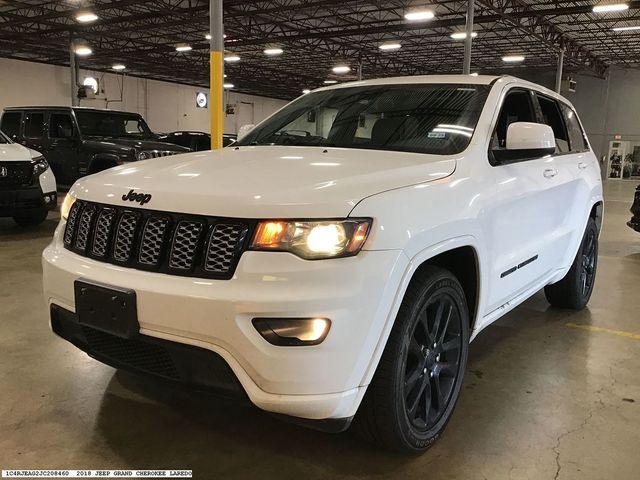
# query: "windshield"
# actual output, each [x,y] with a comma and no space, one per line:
[435,119]
[112,124]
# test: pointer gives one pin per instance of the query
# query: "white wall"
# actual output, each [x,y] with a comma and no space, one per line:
[165,106]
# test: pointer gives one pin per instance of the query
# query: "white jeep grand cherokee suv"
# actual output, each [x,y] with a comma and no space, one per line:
[335,264]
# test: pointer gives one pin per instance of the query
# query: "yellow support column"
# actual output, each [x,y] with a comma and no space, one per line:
[216,59]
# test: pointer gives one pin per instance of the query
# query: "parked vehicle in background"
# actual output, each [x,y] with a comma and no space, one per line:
[336,262]
[27,184]
[80,141]
[635,210]
[195,141]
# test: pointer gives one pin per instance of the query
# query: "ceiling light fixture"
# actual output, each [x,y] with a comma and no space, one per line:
[118,67]
[208,36]
[341,69]
[86,17]
[82,50]
[273,51]
[513,58]
[305,91]
[389,46]
[610,7]
[183,47]
[462,35]
[419,15]
[626,29]
[330,82]
[92,83]
[474,74]
[232,58]
[228,86]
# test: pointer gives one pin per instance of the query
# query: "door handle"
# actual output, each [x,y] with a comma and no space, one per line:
[550,173]
[583,165]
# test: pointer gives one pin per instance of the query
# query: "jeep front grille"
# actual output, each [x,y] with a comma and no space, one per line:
[171,243]
[157,153]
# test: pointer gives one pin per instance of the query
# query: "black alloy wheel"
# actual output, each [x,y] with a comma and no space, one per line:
[575,289]
[432,362]
[419,378]
[589,258]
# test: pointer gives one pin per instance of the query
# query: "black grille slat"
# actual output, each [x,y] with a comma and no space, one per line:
[222,247]
[72,220]
[184,245]
[102,232]
[84,227]
[175,244]
[153,238]
[125,236]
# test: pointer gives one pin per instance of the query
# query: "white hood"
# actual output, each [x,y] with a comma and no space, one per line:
[13,152]
[264,181]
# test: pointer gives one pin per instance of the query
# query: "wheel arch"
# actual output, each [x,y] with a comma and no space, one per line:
[458,254]
[102,161]
[597,213]
[463,262]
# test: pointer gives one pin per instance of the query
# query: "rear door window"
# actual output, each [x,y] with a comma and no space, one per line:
[34,125]
[60,125]
[552,116]
[577,138]
[11,124]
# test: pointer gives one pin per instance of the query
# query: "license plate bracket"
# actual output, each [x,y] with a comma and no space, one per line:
[109,309]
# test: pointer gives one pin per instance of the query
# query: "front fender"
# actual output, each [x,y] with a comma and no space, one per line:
[103,161]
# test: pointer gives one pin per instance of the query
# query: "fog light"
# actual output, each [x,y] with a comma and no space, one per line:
[291,332]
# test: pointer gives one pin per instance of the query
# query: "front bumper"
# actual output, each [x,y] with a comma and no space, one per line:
[25,201]
[313,382]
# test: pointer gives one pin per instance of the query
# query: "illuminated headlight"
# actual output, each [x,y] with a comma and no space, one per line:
[40,165]
[69,200]
[313,240]
[292,332]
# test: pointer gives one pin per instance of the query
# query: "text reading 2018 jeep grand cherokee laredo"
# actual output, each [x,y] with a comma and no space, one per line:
[337,262]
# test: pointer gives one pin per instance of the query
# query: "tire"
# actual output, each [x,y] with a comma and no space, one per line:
[32,220]
[411,370]
[575,289]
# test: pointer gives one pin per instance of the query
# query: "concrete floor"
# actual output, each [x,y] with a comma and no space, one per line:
[542,400]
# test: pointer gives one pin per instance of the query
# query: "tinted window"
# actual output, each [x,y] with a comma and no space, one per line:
[551,116]
[4,138]
[576,135]
[517,107]
[203,142]
[11,124]
[435,119]
[34,125]
[180,139]
[111,124]
[60,125]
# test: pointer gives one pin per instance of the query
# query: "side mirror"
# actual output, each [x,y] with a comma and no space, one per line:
[525,141]
[244,129]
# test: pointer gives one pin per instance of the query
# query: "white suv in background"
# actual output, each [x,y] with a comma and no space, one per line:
[27,184]
[335,263]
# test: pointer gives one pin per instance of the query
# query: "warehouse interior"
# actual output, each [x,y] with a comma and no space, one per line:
[548,393]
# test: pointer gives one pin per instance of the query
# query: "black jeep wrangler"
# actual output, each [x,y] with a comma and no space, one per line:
[80,141]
